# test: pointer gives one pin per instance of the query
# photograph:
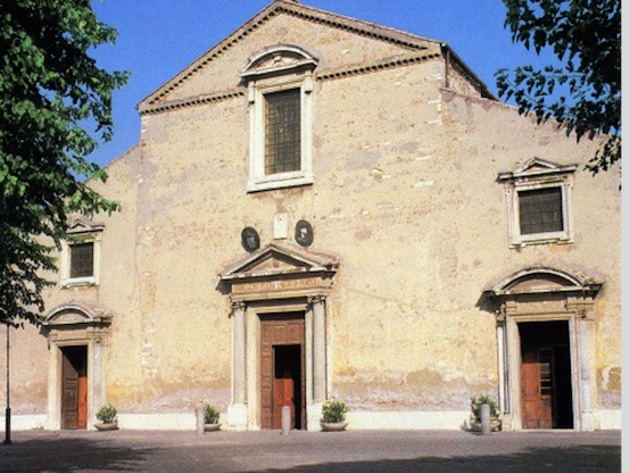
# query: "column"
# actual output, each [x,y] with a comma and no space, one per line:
[237,412]
[587,372]
[501,359]
[319,348]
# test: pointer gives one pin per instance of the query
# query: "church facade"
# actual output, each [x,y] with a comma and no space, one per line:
[318,208]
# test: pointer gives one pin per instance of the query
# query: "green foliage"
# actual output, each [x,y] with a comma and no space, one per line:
[334,411]
[50,91]
[210,415]
[106,414]
[583,91]
[475,407]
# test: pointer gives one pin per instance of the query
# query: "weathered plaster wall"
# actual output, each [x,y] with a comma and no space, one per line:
[28,369]
[405,193]
[489,138]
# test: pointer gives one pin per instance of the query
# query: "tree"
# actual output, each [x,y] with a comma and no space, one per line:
[582,92]
[55,104]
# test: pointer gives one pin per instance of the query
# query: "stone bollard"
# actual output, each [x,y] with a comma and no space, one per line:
[485,419]
[286,420]
[200,420]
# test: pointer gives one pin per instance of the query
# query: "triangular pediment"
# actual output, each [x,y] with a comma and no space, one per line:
[81,224]
[537,167]
[278,259]
[341,43]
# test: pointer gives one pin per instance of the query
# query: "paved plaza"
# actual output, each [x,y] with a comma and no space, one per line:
[309,452]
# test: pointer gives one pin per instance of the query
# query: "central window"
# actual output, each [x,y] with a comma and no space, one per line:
[279,82]
[282,132]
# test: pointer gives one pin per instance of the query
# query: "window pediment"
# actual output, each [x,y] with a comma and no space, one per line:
[536,168]
[276,60]
[80,224]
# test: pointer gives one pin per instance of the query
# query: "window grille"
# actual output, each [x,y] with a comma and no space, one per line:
[82,260]
[541,210]
[282,132]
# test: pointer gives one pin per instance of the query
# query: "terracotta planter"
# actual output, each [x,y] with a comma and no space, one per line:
[211,427]
[333,427]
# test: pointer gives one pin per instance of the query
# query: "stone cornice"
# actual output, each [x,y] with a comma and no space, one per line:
[323,76]
[372,30]
[192,101]
[376,66]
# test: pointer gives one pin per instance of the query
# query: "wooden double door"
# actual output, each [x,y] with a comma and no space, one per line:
[74,387]
[547,400]
[283,376]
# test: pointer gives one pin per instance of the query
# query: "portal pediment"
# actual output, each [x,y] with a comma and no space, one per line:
[540,280]
[76,314]
[280,260]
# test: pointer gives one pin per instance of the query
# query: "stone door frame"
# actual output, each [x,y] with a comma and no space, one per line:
[277,279]
[544,295]
[76,325]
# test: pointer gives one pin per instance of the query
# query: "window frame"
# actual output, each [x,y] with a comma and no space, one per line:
[258,179]
[277,68]
[538,174]
[81,233]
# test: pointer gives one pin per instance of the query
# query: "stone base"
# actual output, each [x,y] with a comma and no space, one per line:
[237,417]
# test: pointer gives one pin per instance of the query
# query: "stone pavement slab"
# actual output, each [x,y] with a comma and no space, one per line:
[312,452]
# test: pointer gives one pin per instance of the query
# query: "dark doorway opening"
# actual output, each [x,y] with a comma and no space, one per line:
[287,384]
[282,369]
[74,387]
[547,394]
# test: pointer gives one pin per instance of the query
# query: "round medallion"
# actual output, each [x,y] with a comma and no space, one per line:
[304,233]
[250,239]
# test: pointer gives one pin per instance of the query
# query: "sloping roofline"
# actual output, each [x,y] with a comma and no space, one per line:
[383,33]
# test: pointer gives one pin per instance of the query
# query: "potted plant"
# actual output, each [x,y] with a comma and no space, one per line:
[210,418]
[475,412]
[107,417]
[334,416]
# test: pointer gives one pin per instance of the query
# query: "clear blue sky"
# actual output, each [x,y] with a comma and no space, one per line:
[159,38]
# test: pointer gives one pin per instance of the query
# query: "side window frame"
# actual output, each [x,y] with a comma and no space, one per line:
[79,232]
[534,175]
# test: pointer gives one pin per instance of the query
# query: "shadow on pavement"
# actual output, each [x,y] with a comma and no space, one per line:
[59,455]
[67,453]
[579,459]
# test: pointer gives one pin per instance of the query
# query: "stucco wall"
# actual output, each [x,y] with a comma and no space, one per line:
[405,193]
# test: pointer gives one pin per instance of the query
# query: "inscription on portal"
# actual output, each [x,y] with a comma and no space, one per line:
[275,285]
